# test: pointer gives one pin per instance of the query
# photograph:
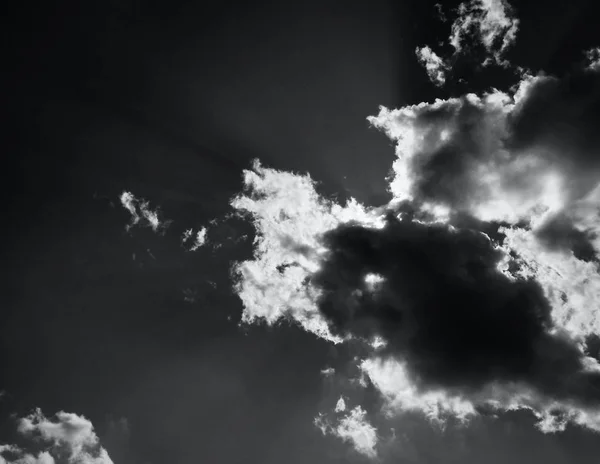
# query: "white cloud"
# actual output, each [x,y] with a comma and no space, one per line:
[435,66]
[141,214]
[351,426]
[391,379]
[328,371]
[68,435]
[572,286]
[290,218]
[340,406]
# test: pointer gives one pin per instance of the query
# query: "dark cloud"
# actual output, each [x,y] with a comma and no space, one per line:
[560,117]
[563,111]
[446,310]
[559,233]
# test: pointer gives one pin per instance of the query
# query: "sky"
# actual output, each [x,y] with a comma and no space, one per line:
[300,232]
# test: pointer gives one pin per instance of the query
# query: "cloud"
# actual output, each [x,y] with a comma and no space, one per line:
[340,406]
[593,58]
[17,456]
[199,239]
[141,214]
[476,288]
[528,155]
[328,371]
[435,66]
[451,315]
[67,438]
[289,217]
[489,24]
[350,426]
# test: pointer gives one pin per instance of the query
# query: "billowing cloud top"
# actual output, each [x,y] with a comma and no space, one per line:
[477,286]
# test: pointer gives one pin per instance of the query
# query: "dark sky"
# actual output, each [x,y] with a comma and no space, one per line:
[171,100]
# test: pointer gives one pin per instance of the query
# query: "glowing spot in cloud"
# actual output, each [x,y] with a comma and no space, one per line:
[328,372]
[373,280]
[141,214]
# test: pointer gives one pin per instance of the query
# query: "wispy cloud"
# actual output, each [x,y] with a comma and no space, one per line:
[141,214]
[198,241]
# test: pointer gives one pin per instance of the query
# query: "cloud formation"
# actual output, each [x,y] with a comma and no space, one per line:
[489,24]
[351,426]
[141,214]
[199,238]
[435,66]
[476,288]
[513,157]
[66,438]
[289,217]
[592,57]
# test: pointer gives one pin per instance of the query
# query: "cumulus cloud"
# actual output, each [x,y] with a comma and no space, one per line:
[67,438]
[141,214]
[489,24]
[351,426]
[477,287]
